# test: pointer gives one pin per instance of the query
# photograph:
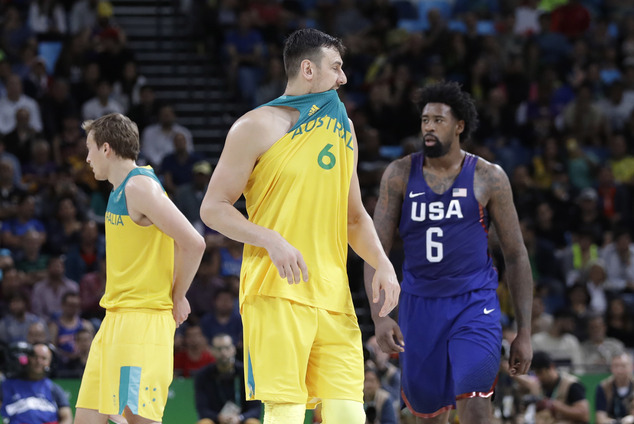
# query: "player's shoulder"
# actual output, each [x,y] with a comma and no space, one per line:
[142,185]
[401,166]
[488,170]
[260,124]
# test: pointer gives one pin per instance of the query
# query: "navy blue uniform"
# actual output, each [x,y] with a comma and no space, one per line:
[449,311]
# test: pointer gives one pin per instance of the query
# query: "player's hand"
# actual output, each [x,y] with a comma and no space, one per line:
[181,310]
[287,259]
[521,353]
[388,335]
[385,280]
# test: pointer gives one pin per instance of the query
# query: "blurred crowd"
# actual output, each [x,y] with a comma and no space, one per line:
[553,81]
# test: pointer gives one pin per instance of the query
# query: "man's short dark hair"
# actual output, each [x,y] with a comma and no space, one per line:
[541,361]
[306,43]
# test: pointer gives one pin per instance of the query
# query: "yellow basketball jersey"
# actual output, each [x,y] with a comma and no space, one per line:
[139,260]
[299,188]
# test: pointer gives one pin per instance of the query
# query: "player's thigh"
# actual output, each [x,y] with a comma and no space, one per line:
[475,346]
[137,419]
[278,336]
[89,416]
[426,379]
[335,368]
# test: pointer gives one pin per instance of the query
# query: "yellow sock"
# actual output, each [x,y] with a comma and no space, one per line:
[335,411]
[284,413]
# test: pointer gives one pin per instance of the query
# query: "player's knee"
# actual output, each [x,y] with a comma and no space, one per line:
[284,413]
[205,421]
[335,411]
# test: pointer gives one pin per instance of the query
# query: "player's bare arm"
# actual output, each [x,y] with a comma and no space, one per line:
[386,217]
[249,137]
[363,238]
[493,190]
[149,205]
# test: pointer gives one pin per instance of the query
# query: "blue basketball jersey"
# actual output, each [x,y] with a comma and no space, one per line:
[445,236]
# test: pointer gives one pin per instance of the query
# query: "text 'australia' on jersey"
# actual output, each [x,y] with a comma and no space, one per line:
[299,187]
[445,236]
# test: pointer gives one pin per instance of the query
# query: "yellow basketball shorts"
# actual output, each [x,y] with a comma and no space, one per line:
[131,363]
[294,353]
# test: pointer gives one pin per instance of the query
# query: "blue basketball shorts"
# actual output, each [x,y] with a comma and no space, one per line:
[452,349]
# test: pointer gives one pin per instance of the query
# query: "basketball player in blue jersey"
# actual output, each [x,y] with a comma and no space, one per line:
[441,201]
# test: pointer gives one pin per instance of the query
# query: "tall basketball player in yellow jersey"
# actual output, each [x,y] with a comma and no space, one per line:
[152,254]
[295,161]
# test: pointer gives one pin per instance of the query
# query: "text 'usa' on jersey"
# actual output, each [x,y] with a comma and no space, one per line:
[445,236]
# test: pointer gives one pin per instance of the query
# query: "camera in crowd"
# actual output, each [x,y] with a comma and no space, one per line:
[14,359]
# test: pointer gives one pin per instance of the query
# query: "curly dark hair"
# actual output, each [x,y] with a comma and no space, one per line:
[461,103]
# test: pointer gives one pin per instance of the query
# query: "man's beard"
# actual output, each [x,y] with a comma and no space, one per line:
[436,150]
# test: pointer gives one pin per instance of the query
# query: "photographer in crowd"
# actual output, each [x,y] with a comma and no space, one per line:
[615,394]
[29,396]
[560,397]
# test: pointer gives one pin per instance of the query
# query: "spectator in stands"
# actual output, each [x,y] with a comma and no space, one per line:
[614,394]
[157,140]
[102,104]
[74,368]
[32,397]
[14,229]
[619,261]
[177,167]
[207,282]
[377,402]
[64,229]
[10,192]
[83,16]
[21,139]
[12,102]
[620,322]
[16,168]
[64,326]
[615,199]
[595,279]
[223,318]
[47,19]
[558,341]
[31,261]
[11,284]
[48,293]
[146,111]
[562,398]
[40,170]
[195,353]
[244,47]
[389,374]
[113,54]
[85,87]
[580,254]
[56,105]
[188,197]
[84,256]
[621,161]
[14,326]
[127,89]
[37,333]
[230,257]
[92,286]
[598,350]
[220,388]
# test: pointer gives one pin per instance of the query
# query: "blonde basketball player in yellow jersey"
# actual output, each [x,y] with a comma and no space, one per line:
[152,254]
[295,161]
